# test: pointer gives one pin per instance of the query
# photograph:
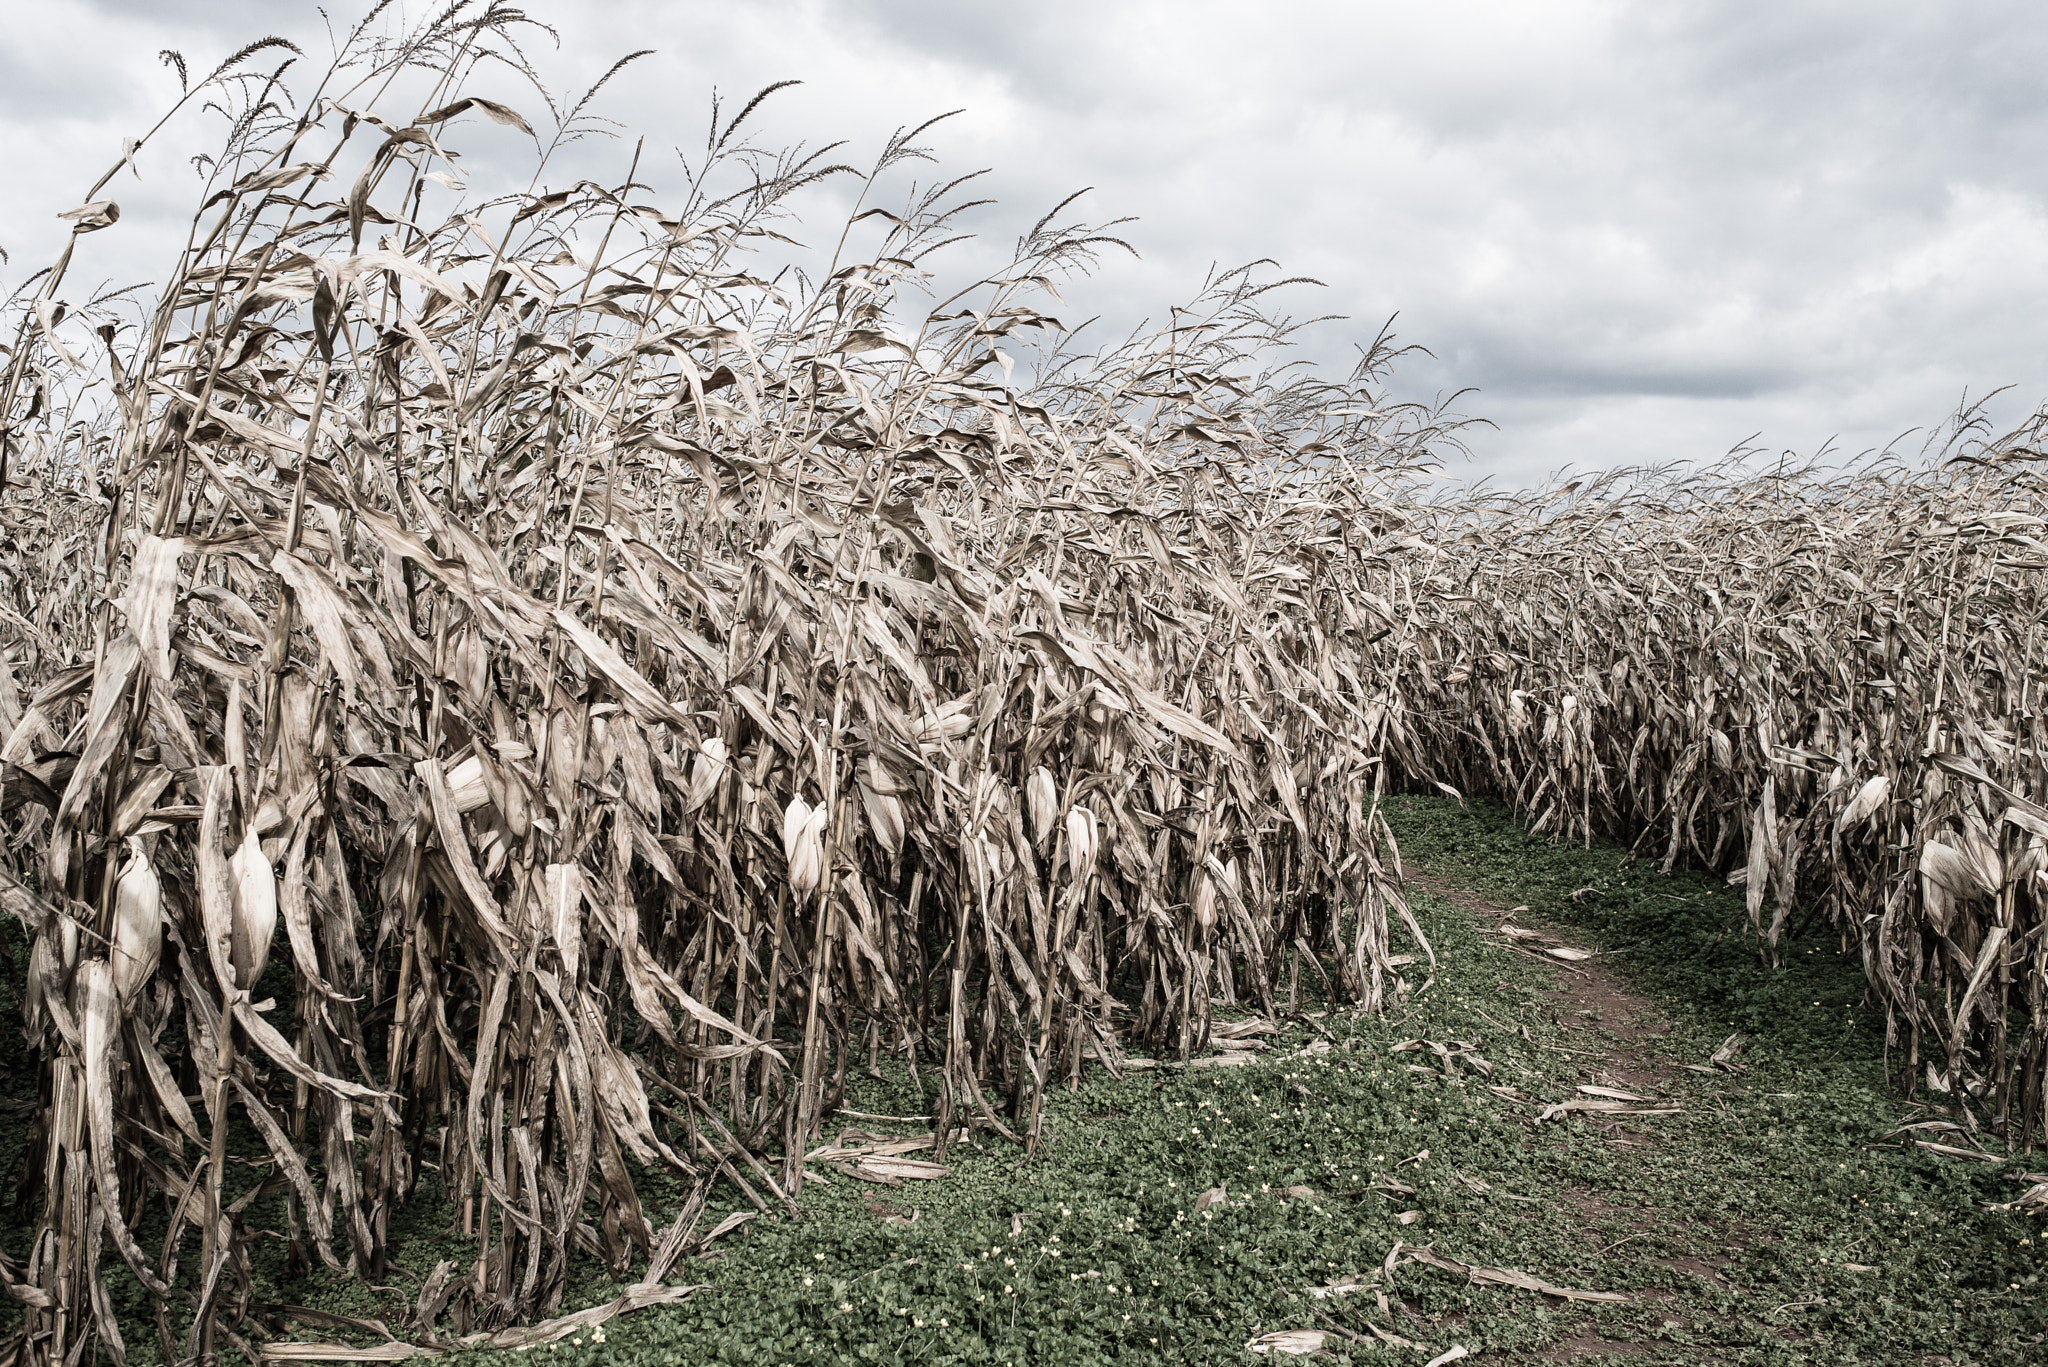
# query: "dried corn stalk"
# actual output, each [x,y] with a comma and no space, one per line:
[558,694]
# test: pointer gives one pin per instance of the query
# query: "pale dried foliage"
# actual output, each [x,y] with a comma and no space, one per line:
[1827,687]
[616,693]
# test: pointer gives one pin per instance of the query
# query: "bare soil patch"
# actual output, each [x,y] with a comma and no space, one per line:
[1588,1346]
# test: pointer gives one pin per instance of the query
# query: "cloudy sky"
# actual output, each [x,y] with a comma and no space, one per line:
[1642,232]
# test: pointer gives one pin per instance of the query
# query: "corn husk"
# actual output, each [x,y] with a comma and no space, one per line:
[1205,901]
[706,769]
[253,885]
[1081,838]
[803,845]
[138,939]
[1869,797]
[1043,798]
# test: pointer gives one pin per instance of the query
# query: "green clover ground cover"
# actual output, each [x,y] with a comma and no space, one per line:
[1095,1251]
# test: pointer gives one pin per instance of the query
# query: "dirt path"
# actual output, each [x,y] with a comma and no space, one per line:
[1617,1038]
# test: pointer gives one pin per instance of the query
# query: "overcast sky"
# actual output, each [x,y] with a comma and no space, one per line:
[1642,231]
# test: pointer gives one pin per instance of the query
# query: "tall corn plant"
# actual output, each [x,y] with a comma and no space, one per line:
[531,698]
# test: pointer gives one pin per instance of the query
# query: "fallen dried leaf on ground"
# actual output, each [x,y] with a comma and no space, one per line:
[1497,1276]
[1724,1057]
[1587,1105]
[1289,1342]
[1342,1286]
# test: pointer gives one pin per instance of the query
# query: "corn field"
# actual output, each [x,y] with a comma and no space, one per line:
[528,701]
[535,699]
[1826,688]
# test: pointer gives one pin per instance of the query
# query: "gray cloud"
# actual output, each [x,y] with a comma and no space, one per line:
[1643,231]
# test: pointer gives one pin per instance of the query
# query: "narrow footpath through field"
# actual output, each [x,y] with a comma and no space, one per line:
[1618,1042]
[1732,1161]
